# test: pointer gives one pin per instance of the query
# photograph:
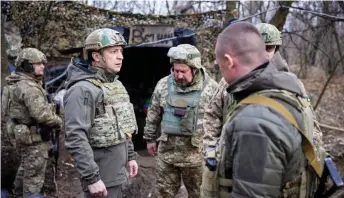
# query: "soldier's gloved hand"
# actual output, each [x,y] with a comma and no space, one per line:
[133,168]
[97,189]
[211,163]
[151,147]
[60,124]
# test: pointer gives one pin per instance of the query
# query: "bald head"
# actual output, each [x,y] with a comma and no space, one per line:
[243,42]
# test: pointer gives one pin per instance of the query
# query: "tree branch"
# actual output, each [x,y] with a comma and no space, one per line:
[334,68]
[303,38]
[331,127]
[326,16]
[249,17]
[281,15]
[341,4]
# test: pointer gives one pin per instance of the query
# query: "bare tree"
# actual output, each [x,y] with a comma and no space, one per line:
[281,15]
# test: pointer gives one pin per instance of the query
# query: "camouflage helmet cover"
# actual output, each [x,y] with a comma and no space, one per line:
[271,35]
[186,53]
[102,38]
[32,55]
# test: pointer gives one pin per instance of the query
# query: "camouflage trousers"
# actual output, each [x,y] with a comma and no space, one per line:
[30,175]
[169,178]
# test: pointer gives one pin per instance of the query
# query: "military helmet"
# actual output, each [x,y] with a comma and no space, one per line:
[187,54]
[32,55]
[102,38]
[271,35]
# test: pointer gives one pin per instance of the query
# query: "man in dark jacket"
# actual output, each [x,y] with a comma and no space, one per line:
[99,118]
[261,151]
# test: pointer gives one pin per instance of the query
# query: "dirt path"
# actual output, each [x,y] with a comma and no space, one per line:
[142,186]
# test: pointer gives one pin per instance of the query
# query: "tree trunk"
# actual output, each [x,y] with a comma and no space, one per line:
[230,14]
[231,10]
[280,16]
[336,37]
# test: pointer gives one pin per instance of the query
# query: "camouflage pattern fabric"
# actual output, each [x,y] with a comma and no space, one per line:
[186,53]
[5,101]
[31,173]
[221,102]
[169,180]
[118,121]
[317,133]
[29,104]
[102,38]
[215,114]
[178,150]
[183,153]
[271,35]
[33,55]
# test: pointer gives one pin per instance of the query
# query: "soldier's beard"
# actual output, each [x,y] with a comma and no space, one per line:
[182,83]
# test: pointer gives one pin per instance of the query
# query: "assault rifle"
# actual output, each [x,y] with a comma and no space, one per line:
[55,138]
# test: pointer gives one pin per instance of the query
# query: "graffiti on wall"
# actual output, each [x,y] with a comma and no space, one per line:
[151,33]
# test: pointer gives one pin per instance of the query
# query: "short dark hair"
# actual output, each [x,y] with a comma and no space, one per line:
[242,40]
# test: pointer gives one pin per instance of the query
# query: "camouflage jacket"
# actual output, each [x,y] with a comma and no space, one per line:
[181,151]
[214,116]
[28,103]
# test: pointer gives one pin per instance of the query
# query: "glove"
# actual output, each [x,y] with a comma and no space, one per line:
[211,163]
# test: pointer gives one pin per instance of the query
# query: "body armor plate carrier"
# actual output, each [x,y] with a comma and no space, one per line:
[117,122]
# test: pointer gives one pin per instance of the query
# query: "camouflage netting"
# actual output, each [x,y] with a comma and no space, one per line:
[53,26]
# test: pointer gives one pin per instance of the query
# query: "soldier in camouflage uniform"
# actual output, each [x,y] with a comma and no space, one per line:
[99,118]
[25,102]
[221,102]
[178,104]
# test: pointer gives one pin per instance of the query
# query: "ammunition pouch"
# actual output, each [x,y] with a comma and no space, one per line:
[25,135]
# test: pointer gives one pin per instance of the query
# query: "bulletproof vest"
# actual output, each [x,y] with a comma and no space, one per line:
[20,125]
[116,121]
[216,184]
[17,110]
[180,111]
